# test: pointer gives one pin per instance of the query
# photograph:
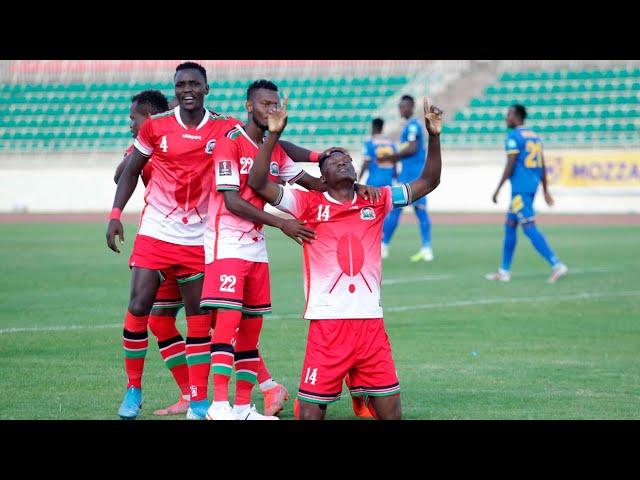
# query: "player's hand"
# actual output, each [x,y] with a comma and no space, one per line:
[548,198]
[432,117]
[495,197]
[368,192]
[329,151]
[115,228]
[295,229]
[278,117]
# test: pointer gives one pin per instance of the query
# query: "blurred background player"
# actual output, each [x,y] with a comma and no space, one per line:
[168,301]
[525,170]
[343,274]
[412,155]
[381,172]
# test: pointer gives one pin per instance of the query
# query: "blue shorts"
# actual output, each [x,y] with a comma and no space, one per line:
[521,208]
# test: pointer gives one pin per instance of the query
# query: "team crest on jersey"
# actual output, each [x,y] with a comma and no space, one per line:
[224,168]
[274,169]
[367,213]
[210,146]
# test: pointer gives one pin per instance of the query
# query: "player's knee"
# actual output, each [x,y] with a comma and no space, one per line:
[139,305]
[390,410]
[163,327]
[509,222]
[529,228]
[311,411]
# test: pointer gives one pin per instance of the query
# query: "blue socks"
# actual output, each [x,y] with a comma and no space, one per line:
[390,224]
[540,243]
[425,225]
[509,245]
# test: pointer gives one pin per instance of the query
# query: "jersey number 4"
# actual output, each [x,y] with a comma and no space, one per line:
[163,144]
[323,212]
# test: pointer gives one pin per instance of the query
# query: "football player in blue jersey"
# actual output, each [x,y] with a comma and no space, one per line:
[525,170]
[381,172]
[412,156]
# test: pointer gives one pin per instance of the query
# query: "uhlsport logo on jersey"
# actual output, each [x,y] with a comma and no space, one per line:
[367,213]
[224,168]
[210,146]
[274,169]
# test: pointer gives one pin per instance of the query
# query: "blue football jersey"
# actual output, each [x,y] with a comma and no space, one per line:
[527,172]
[412,166]
[379,175]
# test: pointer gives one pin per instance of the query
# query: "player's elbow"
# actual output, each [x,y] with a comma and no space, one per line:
[255,183]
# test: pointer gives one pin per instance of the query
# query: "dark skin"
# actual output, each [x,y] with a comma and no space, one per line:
[514,120]
[190,90]
[406,109]
[339,175]
[261,101]
[138,114]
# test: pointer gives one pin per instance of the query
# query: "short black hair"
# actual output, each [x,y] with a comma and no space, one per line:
[377,123]
[192,66]
[152,100]
[520,110]
[323,159]
[408,97]
[258,84]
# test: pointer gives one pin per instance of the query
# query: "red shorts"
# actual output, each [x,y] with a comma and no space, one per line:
[184,262]
[357,348]
[237,284]
[168,294]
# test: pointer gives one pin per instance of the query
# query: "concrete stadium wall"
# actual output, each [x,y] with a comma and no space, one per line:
[85,184]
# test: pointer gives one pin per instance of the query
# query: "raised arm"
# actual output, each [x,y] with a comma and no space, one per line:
[126,186]
[429,179]
[258,174]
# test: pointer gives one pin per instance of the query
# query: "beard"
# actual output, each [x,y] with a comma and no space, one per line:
[259,123]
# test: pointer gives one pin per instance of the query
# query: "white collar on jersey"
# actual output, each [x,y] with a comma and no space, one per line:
[333,200]
[176,112]
[239,127]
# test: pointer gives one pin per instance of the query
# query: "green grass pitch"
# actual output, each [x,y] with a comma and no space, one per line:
[465,348]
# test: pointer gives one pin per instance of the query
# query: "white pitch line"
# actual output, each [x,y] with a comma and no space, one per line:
[399,308]
[572,271]
[489,301]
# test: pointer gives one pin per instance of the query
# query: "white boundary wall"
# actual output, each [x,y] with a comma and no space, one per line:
[468,181]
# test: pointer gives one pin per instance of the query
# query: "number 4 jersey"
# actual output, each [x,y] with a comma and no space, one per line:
[177,194]
[342,268]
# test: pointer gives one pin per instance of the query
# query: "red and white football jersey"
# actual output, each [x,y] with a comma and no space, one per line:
[228,235]
[342,268]
[147,170]
[178,193]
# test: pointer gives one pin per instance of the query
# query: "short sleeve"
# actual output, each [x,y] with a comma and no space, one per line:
[292,201]
[511,145]
[225,164]
[412,132]
[145,140]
